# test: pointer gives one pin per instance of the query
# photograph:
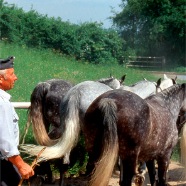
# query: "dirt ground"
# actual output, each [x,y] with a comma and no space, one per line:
[175,178]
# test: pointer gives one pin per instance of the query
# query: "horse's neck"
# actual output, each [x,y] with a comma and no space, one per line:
[170,102]
[165,84]
[112,83]
[142,89]
[124,87]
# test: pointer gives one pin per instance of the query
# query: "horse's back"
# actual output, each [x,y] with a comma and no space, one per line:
[52,87]
[128,104]
[86,92]
[57,90]
[59,86]
[143,88]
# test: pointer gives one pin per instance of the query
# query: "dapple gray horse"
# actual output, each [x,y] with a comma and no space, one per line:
[144,90]
[119,121]
[72,110]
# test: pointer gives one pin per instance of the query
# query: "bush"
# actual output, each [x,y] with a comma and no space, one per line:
[87,42]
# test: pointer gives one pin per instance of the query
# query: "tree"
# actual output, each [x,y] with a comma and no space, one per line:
[154,27]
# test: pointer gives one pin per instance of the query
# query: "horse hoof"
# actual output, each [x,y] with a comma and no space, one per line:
[139,180]
[39,180]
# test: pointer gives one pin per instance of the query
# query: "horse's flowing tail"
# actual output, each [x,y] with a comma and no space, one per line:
[183,148]
[105,165]
[70,132]
[35,115]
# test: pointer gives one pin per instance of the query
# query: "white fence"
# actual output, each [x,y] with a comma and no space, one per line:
[21,105]
[145,62]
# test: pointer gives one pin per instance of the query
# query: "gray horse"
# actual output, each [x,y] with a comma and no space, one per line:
[72,110]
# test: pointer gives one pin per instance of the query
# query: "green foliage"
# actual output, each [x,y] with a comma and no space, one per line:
[144,28]
[154,28]
[88,42]
[180,69]
[176,153]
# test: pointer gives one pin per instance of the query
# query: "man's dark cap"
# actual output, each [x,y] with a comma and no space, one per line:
[7,63]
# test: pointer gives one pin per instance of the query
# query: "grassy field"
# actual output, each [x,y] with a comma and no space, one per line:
[35,65]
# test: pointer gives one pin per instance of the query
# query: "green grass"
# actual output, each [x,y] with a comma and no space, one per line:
[35,65]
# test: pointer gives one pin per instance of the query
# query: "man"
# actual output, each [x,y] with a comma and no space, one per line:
[12,166]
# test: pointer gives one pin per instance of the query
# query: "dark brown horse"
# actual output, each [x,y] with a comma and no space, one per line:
[139,130]
[45,100]
[44,116]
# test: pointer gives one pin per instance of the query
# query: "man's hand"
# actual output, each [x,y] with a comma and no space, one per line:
[24,169]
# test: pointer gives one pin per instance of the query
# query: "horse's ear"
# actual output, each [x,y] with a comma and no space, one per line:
[122,79]
[111,75]
[183,85]
[174,81]
[175,78]
[158,83]
[165,76]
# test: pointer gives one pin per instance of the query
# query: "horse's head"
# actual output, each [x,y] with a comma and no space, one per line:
[165,83]
[112,82]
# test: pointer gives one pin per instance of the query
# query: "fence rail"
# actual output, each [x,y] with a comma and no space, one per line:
[21,105]
[145,62]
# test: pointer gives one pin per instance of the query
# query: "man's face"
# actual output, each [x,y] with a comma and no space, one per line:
[7,82]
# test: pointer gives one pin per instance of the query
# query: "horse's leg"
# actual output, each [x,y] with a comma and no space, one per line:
[93,148]
[47,168]
[128,171]
[152,171]
[163,164]
[142,167]
[140,177]
[62,169]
